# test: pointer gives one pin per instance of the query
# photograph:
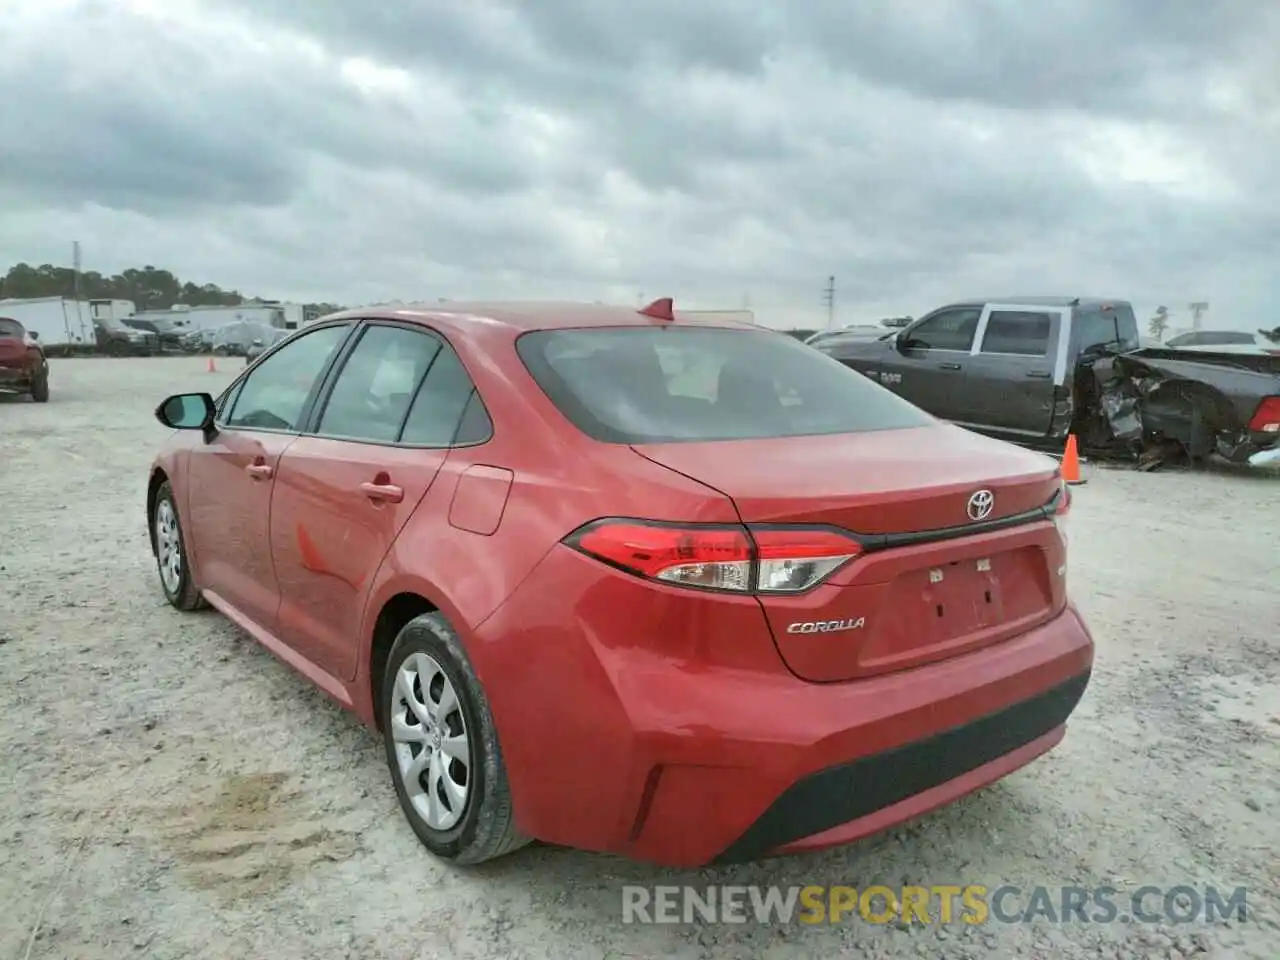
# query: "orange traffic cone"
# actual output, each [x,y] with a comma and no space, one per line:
[213,367]
[1071,462]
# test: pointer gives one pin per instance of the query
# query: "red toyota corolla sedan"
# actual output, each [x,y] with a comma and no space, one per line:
[687,591]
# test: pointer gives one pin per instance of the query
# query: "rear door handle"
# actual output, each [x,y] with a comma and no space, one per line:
[259,471]
[949,366]
[384,492]
[1039,374]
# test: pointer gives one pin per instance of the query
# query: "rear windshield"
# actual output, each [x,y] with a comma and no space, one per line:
[10,328]
[669,384]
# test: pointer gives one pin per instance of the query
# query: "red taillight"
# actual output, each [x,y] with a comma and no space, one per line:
[763,559]
[1266,419]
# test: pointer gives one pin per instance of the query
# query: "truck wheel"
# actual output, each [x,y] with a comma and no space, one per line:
[40,387]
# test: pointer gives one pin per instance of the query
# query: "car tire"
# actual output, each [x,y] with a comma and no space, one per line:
[171,553]
[480,826]
[40,387]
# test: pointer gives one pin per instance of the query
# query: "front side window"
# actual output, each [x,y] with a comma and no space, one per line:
[673,383]
[274,395]
[948,330]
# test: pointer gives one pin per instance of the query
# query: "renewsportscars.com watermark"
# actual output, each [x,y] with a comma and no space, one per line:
[969,904]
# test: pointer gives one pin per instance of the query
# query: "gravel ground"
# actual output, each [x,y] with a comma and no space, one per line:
[171,790]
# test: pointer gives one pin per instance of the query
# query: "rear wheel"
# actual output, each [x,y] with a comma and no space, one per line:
[171,553]
[40,387]
[442,747]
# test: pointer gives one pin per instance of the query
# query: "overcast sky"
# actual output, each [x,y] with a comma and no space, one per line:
[714,150]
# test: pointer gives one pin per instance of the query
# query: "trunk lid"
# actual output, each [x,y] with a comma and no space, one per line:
[908,600]
[12,348]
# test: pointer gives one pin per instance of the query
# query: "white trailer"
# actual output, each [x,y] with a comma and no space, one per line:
[61,323]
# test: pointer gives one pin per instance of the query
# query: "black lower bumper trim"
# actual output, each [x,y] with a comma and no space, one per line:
[839,794]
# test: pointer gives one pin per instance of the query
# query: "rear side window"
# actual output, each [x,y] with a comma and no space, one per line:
[1023,333]
[669,384]
[447,408]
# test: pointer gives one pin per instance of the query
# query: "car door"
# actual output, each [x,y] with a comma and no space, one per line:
[230,478]
[1015,371]
[344,491]
[929,367]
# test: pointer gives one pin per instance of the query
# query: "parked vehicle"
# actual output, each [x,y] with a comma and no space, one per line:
[64,326]
[235,339]
[1226,341]
[116,339]
[768,605]
[262,344]
[168,337]
[23,365]
[1032,370]
[861,331]
[856,331]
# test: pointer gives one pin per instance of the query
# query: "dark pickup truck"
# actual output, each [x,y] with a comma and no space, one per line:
[1034,369]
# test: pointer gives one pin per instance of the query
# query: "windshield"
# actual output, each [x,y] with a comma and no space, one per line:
[10,328]
[662,384]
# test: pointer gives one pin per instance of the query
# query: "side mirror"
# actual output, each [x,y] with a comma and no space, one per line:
[33,335]
[901,341]
[187,411]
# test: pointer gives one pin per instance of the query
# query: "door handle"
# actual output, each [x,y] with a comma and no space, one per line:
[259,471]
[948,366]
[385,492]
[1038,374]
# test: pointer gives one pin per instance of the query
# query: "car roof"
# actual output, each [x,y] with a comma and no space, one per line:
[520,317]
[1046,301]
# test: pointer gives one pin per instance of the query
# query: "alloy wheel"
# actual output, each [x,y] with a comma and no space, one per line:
[433,752]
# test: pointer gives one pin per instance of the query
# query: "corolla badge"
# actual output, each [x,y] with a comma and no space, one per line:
[980,505]
[827,626]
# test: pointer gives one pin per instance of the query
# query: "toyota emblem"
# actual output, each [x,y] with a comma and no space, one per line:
[981,505]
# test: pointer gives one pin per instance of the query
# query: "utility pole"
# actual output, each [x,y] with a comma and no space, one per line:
[1197,311]
[75,285]
[829,300]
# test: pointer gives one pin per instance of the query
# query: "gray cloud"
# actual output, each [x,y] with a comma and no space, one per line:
[714,150]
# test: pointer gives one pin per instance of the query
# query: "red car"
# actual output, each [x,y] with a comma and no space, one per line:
[683,590]
[23,365]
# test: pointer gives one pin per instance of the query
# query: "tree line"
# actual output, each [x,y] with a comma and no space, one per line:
[150,288]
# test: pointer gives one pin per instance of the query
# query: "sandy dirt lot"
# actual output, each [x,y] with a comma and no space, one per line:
[170,790]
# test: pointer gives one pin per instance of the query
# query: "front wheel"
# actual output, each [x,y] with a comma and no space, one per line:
[442,747]
[171,553]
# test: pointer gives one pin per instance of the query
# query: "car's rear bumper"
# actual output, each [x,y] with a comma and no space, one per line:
[16,377]
[658,756]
